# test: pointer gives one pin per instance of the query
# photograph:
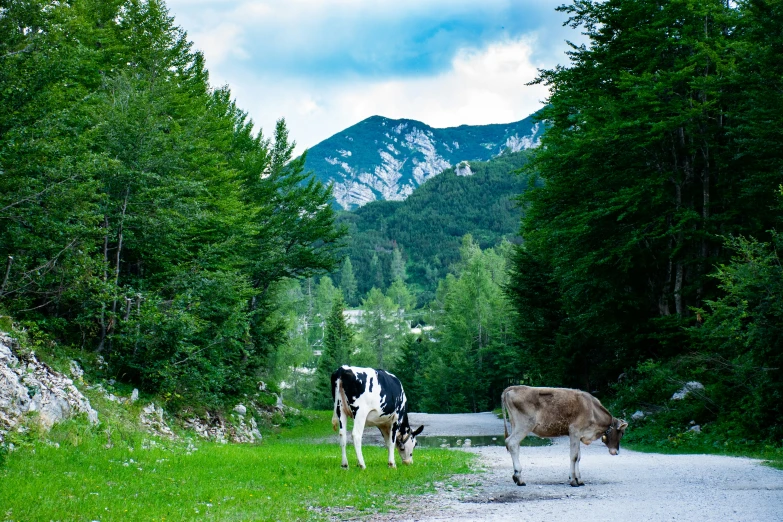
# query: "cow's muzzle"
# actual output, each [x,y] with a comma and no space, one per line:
[408,462]
[614,452]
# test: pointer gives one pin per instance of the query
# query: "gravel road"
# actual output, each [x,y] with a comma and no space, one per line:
[631,486]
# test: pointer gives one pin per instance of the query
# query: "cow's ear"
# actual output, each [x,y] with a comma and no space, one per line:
[622,425]
[418,430]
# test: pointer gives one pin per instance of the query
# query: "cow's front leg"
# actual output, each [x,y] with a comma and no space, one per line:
[386,432]
[342,419]
[575,478]
[359,419]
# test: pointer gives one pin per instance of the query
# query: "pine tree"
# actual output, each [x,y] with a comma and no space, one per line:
[381,328]
[348,282]
[376,272]
[337,348]
[398,266]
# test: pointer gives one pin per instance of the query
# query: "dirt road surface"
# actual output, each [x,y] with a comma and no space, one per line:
[629,487]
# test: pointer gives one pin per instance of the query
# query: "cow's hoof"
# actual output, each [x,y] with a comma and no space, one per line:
[360,466]
[581,483]
[575,483]
[344,466]
[392,465]
[518,481]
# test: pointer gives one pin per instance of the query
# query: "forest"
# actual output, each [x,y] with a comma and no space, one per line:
[146,223]
[143,219]
[426,229]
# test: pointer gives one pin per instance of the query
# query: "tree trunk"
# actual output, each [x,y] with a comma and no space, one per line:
[119,251]
[7,273]
[105,280]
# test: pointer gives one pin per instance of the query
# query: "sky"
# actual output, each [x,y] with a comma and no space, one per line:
[324,65]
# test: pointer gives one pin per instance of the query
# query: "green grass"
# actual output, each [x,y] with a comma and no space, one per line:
[287,477]
[771,455]
[713,440]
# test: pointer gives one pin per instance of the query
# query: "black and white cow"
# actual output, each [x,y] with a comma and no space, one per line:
[372,398]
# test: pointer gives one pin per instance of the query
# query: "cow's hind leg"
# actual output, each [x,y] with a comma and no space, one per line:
[575,478]
[359,419]
[342,420]
[518,433]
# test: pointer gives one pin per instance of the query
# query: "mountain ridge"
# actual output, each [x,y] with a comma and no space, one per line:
[381,158]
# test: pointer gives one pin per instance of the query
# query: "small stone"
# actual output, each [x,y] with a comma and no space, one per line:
[638,415]
[240,409]
[134,395]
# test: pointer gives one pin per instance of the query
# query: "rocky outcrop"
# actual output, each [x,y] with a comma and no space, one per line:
[28,386]
[239,428]
[152,419]
[384,159]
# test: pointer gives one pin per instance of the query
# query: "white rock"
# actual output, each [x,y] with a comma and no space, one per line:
[76,371]
[240,409]
[134,395]
[55,398]
[638,415]
[695,429]
[687,389]
[463,169]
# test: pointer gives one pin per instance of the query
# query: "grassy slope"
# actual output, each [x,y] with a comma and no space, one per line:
[285,478]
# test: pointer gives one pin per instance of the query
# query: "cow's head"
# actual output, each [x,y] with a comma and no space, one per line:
[406,441]
[613,434]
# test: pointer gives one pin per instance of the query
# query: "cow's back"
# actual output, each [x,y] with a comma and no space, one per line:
[550,410]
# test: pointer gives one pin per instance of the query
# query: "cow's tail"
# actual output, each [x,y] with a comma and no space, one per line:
[337,394]
[503,407]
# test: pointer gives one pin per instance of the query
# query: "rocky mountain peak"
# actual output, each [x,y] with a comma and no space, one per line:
[385,159]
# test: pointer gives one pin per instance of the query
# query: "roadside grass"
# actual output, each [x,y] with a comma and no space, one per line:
[771,455]
[286,477]
[657,438]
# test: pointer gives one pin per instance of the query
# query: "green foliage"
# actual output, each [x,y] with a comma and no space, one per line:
[658,146]
[466,367]
[348,282]
[426,229]
[145,217]
[337,350]
[382,329]
[741,339]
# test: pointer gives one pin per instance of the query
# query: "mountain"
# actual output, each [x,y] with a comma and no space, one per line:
[384,159]
[428,226]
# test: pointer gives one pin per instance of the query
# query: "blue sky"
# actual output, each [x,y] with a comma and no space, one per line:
[324,65]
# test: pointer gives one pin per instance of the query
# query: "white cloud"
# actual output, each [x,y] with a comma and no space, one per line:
[323,65]
[482,87]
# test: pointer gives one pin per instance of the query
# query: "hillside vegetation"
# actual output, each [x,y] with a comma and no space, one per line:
[141,215]
[427,228]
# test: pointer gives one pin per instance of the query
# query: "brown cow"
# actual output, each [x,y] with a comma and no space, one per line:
[553,412]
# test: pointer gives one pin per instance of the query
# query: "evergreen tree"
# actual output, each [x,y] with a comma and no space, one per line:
[398,266]
[376,272]
[381,329]
[474,338]
[409,368]
[337,348]
[348,282]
